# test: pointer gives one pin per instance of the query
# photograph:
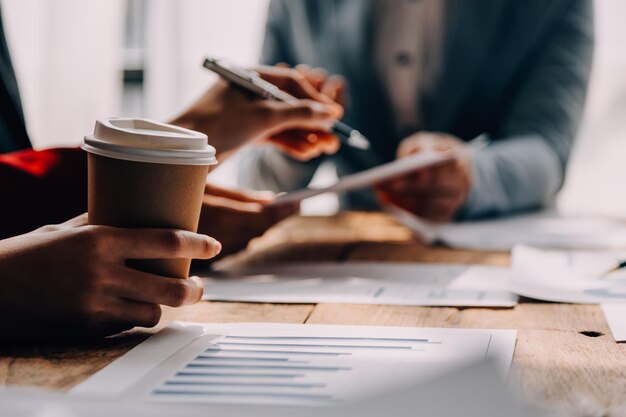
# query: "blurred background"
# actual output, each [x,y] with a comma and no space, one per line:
[142,58]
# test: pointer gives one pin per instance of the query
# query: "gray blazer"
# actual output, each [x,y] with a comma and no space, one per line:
[516,71]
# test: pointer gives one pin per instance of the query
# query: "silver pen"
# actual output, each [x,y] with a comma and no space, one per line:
[252,82]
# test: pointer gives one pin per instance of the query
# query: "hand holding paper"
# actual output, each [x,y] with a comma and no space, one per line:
[385,172]
[435,193]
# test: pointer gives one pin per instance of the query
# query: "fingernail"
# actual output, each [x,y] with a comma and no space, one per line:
[323,109]
[217,247]
[267,196]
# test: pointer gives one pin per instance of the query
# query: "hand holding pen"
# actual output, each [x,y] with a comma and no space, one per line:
[271,83]
[232,118]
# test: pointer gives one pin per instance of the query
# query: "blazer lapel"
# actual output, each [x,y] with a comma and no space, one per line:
[354,34]
[470,34]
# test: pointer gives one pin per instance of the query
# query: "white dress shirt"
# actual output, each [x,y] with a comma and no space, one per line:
[409,40]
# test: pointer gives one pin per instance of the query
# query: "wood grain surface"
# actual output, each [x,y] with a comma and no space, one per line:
[565,358]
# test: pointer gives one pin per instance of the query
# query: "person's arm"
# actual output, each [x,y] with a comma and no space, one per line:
[267,168]
[525,166]
[72,281]
[41,187]
[232,118]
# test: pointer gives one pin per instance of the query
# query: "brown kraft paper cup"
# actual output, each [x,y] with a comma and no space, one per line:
[146,174]
[147,195]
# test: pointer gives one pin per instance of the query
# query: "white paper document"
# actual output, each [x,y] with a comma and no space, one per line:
[476,391]
[546,229]
[380,173]
[290,365]
[615,314]
[568,276]
[365,283]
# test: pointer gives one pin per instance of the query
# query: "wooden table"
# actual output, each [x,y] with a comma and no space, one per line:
[565,357]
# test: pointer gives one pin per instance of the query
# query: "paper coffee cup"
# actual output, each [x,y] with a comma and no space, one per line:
[145,174]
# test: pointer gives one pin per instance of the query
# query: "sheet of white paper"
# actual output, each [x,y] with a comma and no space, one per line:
[291,365]
[545,229]
[615,315]
[370,177]
[365,283]
[488,398]
[568,276]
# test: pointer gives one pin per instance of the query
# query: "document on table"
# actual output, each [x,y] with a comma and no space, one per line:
[615,315]
[366,283]
[431,397]
[568,276]
[378,174]
[291,365]
[545,229]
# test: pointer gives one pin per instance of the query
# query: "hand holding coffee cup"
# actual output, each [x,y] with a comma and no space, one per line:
[145,174]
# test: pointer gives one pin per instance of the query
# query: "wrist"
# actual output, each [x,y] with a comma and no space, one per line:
[189,120]
[466,210]
[204,122]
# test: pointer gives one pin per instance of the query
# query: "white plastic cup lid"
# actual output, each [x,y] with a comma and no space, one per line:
[143,140]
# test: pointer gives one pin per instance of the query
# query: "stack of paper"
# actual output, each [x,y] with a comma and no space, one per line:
[291,365]
[366,283]
[543,229]
[568,276]
[615,315]
[571,276]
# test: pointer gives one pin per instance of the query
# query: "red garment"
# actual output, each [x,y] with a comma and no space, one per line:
[41,187]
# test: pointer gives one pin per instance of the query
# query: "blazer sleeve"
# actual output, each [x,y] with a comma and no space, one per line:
[41,187]
[525,166]
[265,167]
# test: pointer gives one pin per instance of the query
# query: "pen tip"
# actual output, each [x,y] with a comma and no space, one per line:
[357,140]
